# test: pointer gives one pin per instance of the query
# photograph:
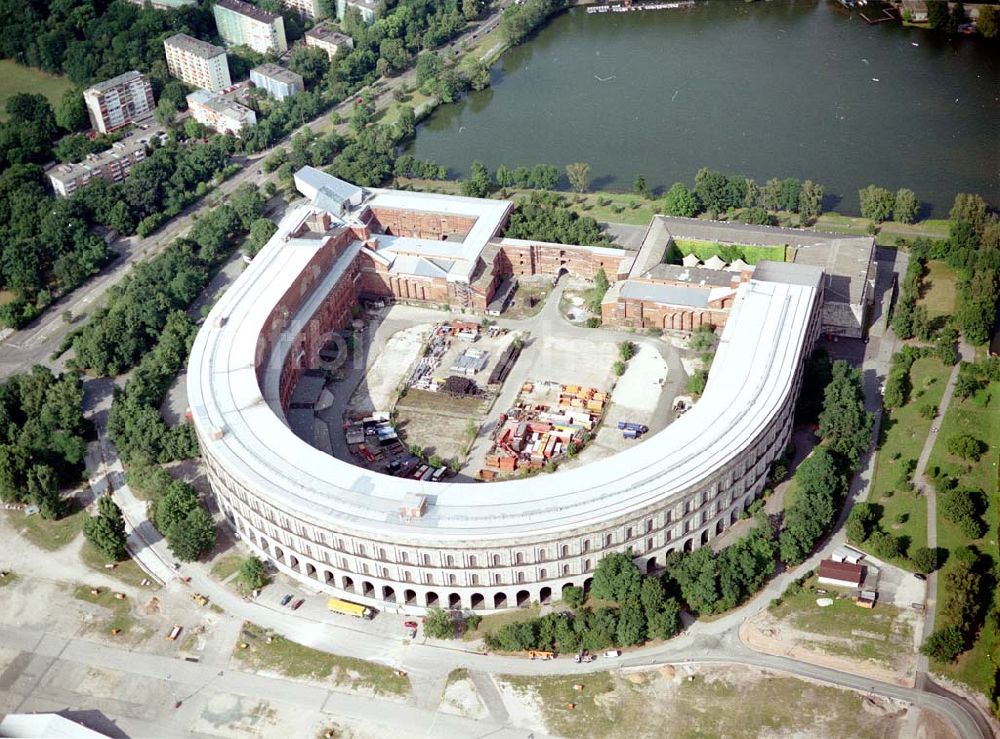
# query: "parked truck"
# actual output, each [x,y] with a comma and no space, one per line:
[349,609]
[629,426]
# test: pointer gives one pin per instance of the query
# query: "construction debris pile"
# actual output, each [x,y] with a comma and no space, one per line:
[533,434]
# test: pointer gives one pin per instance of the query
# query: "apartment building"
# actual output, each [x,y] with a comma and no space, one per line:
[276,80]
[221,113]
[197,62]
[326,37]
[309,8]
[119,101]
[112,165]
[243,24]
[365,7]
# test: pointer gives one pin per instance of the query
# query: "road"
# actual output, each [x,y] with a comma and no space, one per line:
[35,344]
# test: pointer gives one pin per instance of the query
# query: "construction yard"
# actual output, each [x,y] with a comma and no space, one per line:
[430,395]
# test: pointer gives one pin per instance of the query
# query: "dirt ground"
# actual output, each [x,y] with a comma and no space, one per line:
[765,633]
[377,390]
[700,701]
[438,423]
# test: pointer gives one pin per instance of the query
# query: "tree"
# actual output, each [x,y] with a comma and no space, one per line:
[106,530]
[578,175]
[406,123]
[944,645]
[680,201]
[925,559]
[71,113]
[252,574]
[665,623]
[966,446]
[788,194]
[970,208]
[988,22]
[438,624]
[573,596]
[43,491]
[261,232]
[617,579]
[937,14]
[961,507]
[192,536]
[480,182]
[174,506]
[810,200]
[906,205]
[862,521]
[631,625]
[876,203]
[885,545]
[639,186]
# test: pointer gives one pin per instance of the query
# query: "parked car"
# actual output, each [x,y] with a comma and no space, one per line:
[285,598]
[920,575]
[296,604]
[611,653]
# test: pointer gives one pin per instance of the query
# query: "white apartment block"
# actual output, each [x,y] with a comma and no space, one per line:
[324,36]
[197,62]
[219,112]
[119,101]
[308,8]
[112,165]
[243,24]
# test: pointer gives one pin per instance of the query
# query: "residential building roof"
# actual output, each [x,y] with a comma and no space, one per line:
[796,274]
[199,48]
[277,72]
[842,571]
[251,11]
[114,82]
[693,275]
[327,33]
[48,725]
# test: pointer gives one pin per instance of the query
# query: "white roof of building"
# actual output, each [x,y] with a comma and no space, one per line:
[47,725]
[690,260]
[759,354]
[714,262]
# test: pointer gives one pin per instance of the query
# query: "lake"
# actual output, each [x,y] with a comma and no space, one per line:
[776,89]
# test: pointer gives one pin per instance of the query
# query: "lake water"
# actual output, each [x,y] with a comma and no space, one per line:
[776,89]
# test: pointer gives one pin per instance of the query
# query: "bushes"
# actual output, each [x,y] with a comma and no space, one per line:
[925,560]
[967,447]
[438,624]
[944,645]
[962,508]
[544,216]
[106,530]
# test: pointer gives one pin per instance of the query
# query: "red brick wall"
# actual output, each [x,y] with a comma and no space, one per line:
[421,224]
[548,259]
[636,314]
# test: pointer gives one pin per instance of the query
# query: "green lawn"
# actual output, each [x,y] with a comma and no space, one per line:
[128,571]
[299,661]
[979,416]
[904,433]
[15,78]
[226,566]
[494,621]
[711,703]
[888,232]
[863,634]
[120,608]
[46,534]
[706,249]
[939,289]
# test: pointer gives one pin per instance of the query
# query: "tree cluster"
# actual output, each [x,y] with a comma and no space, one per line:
[138,307]
[545,216]
[713,582]
[521,19]
[718,193]
[963,607]
[539,177]
[178,515]
[42,438]
[644,611]
[821,480]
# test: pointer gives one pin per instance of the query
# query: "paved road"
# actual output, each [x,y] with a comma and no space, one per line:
[195,684]
[34,344]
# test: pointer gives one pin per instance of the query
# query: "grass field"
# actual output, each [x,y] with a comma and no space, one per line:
[888,232]
[121,609]
[714,702]
[904,432]
[128,571]
[938,289]
[295,660]
[15,78]
[706,249]
[226,566]
[878,635]
[46,534]
[979,416]
[495,621]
